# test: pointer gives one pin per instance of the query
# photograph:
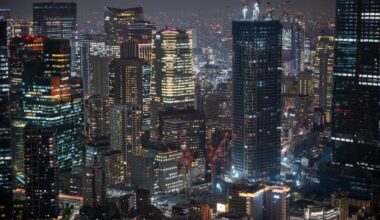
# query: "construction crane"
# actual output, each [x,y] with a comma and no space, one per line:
[219,154]
[184,165]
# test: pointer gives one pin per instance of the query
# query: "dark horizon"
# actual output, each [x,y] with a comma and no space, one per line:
[22,9]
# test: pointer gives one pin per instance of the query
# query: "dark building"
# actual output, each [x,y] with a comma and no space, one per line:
[50,100]
[55,19]
[116,21]
[41,173]
[356,98]
[5,127]
[256,98]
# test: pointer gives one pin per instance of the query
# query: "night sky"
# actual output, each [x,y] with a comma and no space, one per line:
[23,8]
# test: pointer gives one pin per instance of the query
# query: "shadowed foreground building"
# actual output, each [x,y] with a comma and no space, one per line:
[256,102]
[41,173]
[356,100]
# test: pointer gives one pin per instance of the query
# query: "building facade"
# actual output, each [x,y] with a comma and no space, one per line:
[256,97]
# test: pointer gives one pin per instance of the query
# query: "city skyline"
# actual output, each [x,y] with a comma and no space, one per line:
[200,110]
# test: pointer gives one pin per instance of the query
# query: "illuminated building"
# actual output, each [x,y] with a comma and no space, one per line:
[355,109]
[260,201]
[172,73]
[186,128]
[72,181]
[166,157]
[116,21]
[256,98]
[55,19]
[125,127]
[127,80]
[97,117]
[113,165]
[22,50]
[94,186]
[50,100]
[41,173]
[323,75]
[292,45]
[156,170]
[6,179]
[20,28]
[94,150]
[146,96]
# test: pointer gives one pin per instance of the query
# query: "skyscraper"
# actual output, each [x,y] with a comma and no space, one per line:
[22,50]
[172,73]
[41,173]
[356,96]
[256,96]
[50,100]
[55,19]
[5,128]
[116,21]
[323,76]
[127,81]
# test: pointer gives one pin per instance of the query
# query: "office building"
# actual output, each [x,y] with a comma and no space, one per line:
[55,19]
[41,173]
[292,45]
[126,76]
[6,177]
[186,129]
[172,82]
[50,100]
[256,102]
[355,108]
[323,74]
[22,50]
[97,117]
[94,187]
[260,201]
[113,165]
[116,21]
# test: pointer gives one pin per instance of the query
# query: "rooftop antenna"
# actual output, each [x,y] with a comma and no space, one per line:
[245,9]
[256,11]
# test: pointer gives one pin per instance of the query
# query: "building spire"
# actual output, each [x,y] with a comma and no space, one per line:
[256,11]
[245,9]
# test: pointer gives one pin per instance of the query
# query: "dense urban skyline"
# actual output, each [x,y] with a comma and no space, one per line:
[209,110]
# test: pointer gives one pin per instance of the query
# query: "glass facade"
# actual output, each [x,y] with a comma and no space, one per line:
[5,128]
[55,20]
[173,79]
[256,98]
[356,102]
[116,21]
[50,99]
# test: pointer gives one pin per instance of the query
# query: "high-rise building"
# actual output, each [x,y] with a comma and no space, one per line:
[172,73]
[260,201]
[126,76]
[22,50]
[186,129]
[116,21]
[97,121]
[113,165]
[323,75]
[94,186]
[356,101]
[41,173]
[55,19]
[6,179]
[50,100]
[292,45]
[125,127]
[256,114]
